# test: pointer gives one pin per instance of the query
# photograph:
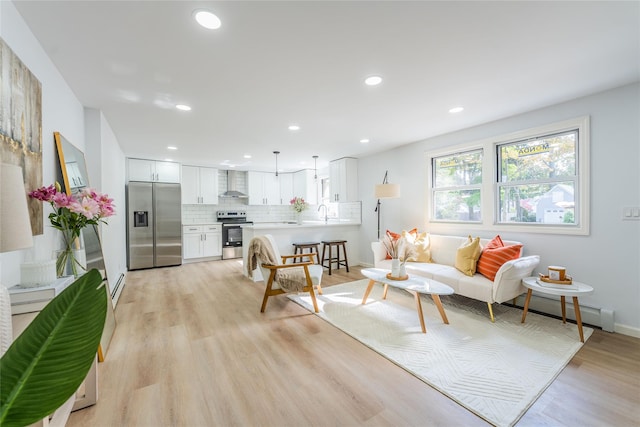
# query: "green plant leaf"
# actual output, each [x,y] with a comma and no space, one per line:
[47,363]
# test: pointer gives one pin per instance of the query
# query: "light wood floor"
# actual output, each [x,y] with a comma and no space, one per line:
[192,349]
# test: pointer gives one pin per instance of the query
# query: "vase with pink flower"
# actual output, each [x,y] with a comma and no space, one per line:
[71,214]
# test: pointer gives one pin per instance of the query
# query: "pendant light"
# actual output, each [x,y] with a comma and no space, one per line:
[276,153]
[315,167]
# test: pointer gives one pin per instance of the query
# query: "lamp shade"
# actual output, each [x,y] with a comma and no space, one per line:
[15,227]
[387,191]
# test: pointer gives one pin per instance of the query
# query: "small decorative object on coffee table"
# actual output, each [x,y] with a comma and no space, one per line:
[575,289]
[415,284]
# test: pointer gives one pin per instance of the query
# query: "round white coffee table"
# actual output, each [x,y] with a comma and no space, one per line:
[415,284]
[574,290]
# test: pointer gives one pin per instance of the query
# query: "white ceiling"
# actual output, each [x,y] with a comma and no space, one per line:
[276,63]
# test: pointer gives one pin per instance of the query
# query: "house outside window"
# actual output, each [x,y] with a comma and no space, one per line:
[537,179]
[457,182]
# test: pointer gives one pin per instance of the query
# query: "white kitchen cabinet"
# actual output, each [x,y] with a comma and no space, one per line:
[76,180]
[199,185]
[264,188]
[306,186]
[343,180]
[153,171]
[286,188]
[201,241]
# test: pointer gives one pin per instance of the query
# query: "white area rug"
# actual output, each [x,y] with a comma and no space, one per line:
[496,370]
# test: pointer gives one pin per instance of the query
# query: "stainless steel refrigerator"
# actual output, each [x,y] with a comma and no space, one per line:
[154,225]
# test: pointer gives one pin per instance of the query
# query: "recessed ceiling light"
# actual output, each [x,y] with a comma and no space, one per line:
[247,156]
[294,127]
[183,107]
[207,19]
[373,80]
[168,160]
[171,147]
[456,109]
[364,140]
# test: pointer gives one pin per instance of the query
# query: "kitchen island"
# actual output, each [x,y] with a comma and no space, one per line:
[288,233]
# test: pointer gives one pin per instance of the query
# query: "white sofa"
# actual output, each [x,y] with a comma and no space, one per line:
[506,286]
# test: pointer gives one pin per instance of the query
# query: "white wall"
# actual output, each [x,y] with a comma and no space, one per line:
[608,259]
[61,112]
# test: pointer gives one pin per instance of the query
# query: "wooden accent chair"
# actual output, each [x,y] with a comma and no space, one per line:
[279,276]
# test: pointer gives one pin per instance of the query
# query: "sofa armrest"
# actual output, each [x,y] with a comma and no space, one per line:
[508,282]
[379,252]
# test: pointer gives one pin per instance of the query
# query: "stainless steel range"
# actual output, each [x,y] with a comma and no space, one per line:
[232,222]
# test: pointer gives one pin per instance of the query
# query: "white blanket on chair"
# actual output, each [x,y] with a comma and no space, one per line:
[290,279]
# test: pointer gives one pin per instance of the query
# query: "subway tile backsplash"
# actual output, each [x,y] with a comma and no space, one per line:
[206,214]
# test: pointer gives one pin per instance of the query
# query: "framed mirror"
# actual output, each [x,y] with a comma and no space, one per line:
[73,177]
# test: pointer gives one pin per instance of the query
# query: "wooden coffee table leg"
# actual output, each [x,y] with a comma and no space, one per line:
[436,299]
[384,293]
[368,291]
[576,308]
[563,308]
[419,307]
[526,305]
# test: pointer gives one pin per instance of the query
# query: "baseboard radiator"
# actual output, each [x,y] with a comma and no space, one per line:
[117,289]
[595,316]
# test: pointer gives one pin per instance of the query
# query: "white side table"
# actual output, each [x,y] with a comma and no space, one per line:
[574,290]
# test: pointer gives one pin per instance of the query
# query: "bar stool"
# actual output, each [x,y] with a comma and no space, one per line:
[300,247]
[337,244]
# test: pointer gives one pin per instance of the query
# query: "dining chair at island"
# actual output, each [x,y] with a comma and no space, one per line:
[280,277]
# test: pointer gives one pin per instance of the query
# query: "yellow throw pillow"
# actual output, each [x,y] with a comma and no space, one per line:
[421,246]
[467,256]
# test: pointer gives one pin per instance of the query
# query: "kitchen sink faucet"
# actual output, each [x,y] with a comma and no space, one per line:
[326,212]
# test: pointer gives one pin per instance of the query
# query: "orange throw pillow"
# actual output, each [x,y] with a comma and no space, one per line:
[494,255]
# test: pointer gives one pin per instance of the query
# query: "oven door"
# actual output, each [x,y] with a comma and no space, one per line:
[231,241]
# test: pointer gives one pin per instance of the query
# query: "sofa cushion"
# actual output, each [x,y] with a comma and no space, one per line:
[467,256]
[421,246]
[494,255]
[492,259]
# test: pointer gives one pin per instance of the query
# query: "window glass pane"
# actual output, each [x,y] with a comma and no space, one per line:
[548,157]
[552,203]
[457,205]
[458,169]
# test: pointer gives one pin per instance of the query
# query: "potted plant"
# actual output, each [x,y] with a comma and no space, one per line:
[299,205]
[47,363]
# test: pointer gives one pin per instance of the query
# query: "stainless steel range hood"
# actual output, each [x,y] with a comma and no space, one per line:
[232,186]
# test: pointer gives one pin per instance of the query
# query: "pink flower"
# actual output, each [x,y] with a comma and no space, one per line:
[86,206]
[61,200]
[44,194]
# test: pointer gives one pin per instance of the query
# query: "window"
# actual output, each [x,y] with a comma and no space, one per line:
[457,182]
[537,179]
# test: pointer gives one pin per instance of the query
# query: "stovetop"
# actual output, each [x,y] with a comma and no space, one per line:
[232,216]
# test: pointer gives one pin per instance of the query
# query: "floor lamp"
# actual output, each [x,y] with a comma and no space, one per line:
[385,191]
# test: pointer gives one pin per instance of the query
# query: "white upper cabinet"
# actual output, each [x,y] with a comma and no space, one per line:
[264,188]
[153,171]
[306,186]
[199,185]
[286,188]
[343,180]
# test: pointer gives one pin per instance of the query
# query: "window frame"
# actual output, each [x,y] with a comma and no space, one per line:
[490,188]
[478,187]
